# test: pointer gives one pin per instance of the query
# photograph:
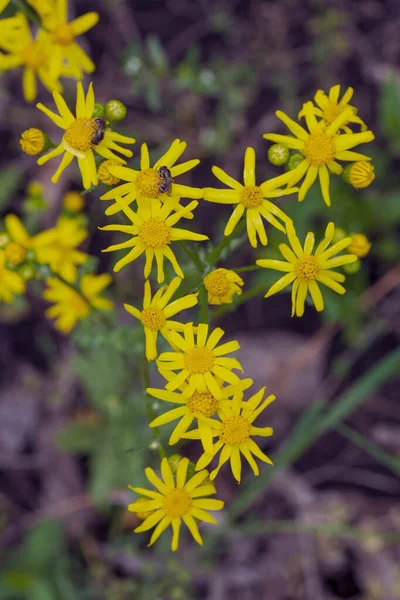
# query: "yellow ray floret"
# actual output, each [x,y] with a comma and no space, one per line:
[157,312]
[321,146]
[305,270]
[222,285]
[152,232]
[10,282]
[329,107]
[234,432]
[77,141]
[251,199]
[176,499]
[199,360]
[145,183]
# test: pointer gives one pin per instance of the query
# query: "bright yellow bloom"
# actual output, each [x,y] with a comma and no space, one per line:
[78,135]
[105,175]
[3,4]
[22,51]
[156,313]
[235,431]
[321,147]
[176,500]
[200,362]
[69,306]
[359,245]
[10,282]
[196,405]
[222,285]
[251,198]
[305,269]
[330,107]
[361,174]
[32,141]
[73,201]
[19,240]
[67,57]
[145,184]
[151,233]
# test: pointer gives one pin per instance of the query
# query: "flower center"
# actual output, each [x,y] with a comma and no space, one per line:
[199,360]
[251,196]
[80,133]
[307,268]
[319,148]
[63,34]
[153,318]
[33,56]
[154,233]
[148,182]
[15,253]
[216,283]
[235,430]
[177,503]
[203,403]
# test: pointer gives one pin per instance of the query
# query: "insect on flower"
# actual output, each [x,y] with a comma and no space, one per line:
[98,135]
[165,180]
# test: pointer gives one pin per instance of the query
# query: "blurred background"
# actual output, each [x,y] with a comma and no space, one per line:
[324,522]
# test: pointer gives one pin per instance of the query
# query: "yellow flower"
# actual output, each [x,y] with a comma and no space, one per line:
[361,174]
[330,107]
[78,135]
[235,431]
[73,201]
[19,240]
[305,269]
[200,362]
[10,282]
[33,55]
[145,184]
[69,306]
[105,174]
[67,57]
[152,232]
[32,141]
[321,147]
[3,4]
[196,405]
[222,285]
[157,312]
[359,245]
[251,199]
[176,500]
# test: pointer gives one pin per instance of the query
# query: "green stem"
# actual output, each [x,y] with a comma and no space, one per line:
[73,287]
[150,409]
[193,257]
[203,295]
[246,269]
[28,12]
[216,252]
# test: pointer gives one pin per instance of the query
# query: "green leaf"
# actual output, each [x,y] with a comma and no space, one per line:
[9,181]
[41,590]
[389,112]
[79,438]
[157,55]
[41,545]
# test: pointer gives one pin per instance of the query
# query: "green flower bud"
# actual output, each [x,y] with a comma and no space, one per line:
[294,160]
[27,272]
[115,110]
[278,155]
[43,272]
[352,267]
[339,234]
[10,266]
[30,255]
[98,110]
[4,239]
[346,173]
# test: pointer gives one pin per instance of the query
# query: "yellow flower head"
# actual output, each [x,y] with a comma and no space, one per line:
[176,500]
[305,269]
[234,432]
[157,312]
[200,362]
[73,201]
[250,198]
[78,138]
[105,175]
[3,4]
[321,146]
[146,183]
[32,141]
[196,405]
[69,306]
[19,241]
[23,51]
[151,233]
[10,282]
[361,174]
[330,108]
[359,245]
[222,285]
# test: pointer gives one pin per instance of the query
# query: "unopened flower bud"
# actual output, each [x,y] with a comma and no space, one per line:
[104,172]
[294,161]
[98,110]
[73,201]
[115,110]
[278,155]
[352,268]
[32,141]
[359,174]
[359,245]
[27,272]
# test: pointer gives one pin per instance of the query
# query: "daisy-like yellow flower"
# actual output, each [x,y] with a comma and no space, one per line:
[145,184]
[305,270]
[67,57]
[200,360]
[235,431]
[19,240]
[321,146]
[251,198]
[77,141]
[176,500]
[70,306]
[222,285]
[152,232]
[359,245]
[23,51]
[10,282]
[329,107]
[196,405]
[157,312]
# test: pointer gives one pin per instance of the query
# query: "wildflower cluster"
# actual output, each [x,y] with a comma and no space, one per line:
[204,379]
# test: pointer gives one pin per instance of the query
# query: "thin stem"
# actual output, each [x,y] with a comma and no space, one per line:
[28,12]
[73,287]
[203,296]
[194,257]
[216,252]
[246,269]
[150,409]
